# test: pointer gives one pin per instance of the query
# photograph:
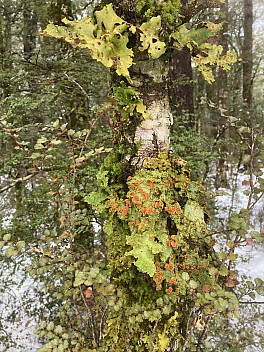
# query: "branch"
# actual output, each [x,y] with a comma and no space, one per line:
[102,322]
[29,176]
[190,10]
[127,332]
[251,302]
[78,85]
[20,179]
[92,317]
[153,335]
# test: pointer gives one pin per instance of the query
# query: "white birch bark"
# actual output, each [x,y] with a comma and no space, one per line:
[153,134]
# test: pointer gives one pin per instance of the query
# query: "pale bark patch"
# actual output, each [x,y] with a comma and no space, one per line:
[153,134]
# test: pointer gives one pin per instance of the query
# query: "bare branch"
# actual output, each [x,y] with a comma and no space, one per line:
[16,181]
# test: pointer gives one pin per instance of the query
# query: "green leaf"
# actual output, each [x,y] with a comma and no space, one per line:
[193,211]
[259,281]
[184,36]
[144,250]
[95,198]
[35,155]
[257,236]
[7,237]
[142,109]
[163,341]
[232,256]
[106,40]
[185,276]
[107,19]
[58,330]
[50,326]
[260,290]
[11,251]
[252,295]
[42,140]
[39,146]
[80,277]
[20,245]
[193,284]
[149,37]
[213,271]
[55,142]
[223,271]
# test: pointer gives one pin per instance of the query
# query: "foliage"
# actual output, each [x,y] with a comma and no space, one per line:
[107,40]
[158,228]
[209,54]
[169,10]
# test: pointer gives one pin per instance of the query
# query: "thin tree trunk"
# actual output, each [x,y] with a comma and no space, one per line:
[30,29]
[181,78]
[247,54]
[223,78]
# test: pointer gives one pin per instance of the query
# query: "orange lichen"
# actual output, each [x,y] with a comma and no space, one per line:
[206,288]
[150,184]
[128,203]
[173,280]
[174,244]
[169,289]
[172,210]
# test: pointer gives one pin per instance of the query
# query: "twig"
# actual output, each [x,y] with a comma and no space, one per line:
[152,335]
[127,332]
[78,85]
[186,343]
[101,323]
[251,302]
[20,179]
[92,316]
[202,336]
[98,116]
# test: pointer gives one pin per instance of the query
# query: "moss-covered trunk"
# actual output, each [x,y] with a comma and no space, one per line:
[161,265]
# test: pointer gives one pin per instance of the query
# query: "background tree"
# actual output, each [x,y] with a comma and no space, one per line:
[247,54]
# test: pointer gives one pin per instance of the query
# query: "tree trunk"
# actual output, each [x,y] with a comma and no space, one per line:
[247,54]
[222,87]
[181,78]
[30,29]
[150,78]
[153,134]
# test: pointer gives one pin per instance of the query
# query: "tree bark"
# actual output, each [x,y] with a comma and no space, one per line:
[150,78]
[222,87]
[181,78]
[153,134]
[30,29]
[247,54]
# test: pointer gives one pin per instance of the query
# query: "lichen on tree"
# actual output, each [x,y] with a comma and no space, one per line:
[160,255]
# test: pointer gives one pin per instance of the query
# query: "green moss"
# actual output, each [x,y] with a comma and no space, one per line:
[169,10]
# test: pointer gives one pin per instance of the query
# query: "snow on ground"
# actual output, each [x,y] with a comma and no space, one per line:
[13,305]
[251,260]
